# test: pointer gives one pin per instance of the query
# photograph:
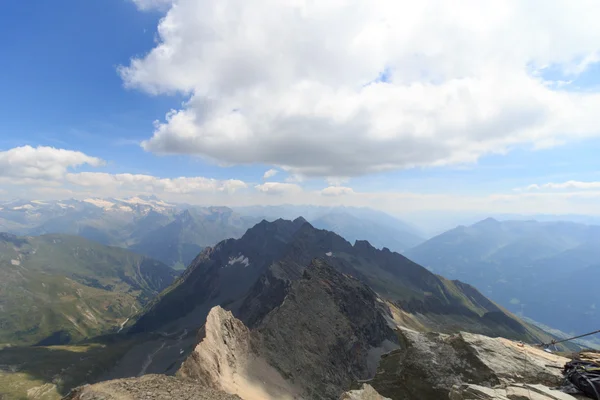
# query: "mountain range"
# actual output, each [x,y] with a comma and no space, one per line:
[253,275]
[175,233]
[545,270]
[286,309]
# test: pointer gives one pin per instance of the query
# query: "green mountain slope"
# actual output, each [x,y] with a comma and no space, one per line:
[57,288]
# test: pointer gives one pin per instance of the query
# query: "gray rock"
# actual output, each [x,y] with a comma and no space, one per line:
[365,393]
[431,366]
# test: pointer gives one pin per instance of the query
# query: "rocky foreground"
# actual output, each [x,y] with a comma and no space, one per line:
[427,366]
[331,337]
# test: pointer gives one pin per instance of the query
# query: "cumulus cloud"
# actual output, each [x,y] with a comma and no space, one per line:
[337,191]
[564,185]
[270,173]
[278,188]
[28,163]
[148,183]
[334,88]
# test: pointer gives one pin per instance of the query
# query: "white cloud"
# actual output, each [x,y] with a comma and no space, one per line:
[148,183]
[287,83]
[564,185]
[28,163]
[337,191]
[270,173]
[278,188]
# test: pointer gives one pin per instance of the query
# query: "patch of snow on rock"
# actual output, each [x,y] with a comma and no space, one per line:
[241,259]
[329,254]
[23,207]
[100,203]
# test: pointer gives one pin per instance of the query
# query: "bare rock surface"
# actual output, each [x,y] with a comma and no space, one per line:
[148,387]
[326,334]
[433,366]
[365,393]
[224,360]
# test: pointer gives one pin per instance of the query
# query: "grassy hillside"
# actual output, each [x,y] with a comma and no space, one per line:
[59,288]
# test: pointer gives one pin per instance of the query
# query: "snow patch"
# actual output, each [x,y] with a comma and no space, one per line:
[329,254]
[100,203]
[24,207]
[241,259]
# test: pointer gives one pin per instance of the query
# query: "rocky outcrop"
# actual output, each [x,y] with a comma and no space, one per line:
[328,331]
[511,392]
[155,387]
[224,360]
[433,366]
[366,392]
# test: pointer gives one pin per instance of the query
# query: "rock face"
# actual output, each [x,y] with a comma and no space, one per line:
[224,360]
[433,366]
[511,392]
[365,393]
[328,332]
[156,387]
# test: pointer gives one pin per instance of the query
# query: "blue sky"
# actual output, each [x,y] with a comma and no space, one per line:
[61,89]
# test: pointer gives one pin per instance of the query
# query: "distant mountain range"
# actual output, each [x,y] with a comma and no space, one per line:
[176,233]
[59,288]
[546,270]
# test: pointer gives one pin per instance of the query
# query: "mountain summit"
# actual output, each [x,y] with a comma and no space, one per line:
[254,275]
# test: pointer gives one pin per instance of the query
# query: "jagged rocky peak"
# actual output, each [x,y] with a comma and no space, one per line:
[327,331]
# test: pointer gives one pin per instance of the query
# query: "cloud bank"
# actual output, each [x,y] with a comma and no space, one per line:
[334,88]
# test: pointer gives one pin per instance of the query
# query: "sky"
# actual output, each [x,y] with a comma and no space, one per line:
[404,106]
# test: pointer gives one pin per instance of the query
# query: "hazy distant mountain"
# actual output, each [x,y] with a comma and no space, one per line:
[180,241]
[172,233]
[542,269]
[55,288]
[352,223]
[108,221]
[354,228]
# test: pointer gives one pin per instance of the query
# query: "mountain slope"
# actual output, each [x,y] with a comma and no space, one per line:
[235,272]
[55,288]
[324,336]
[526,266]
